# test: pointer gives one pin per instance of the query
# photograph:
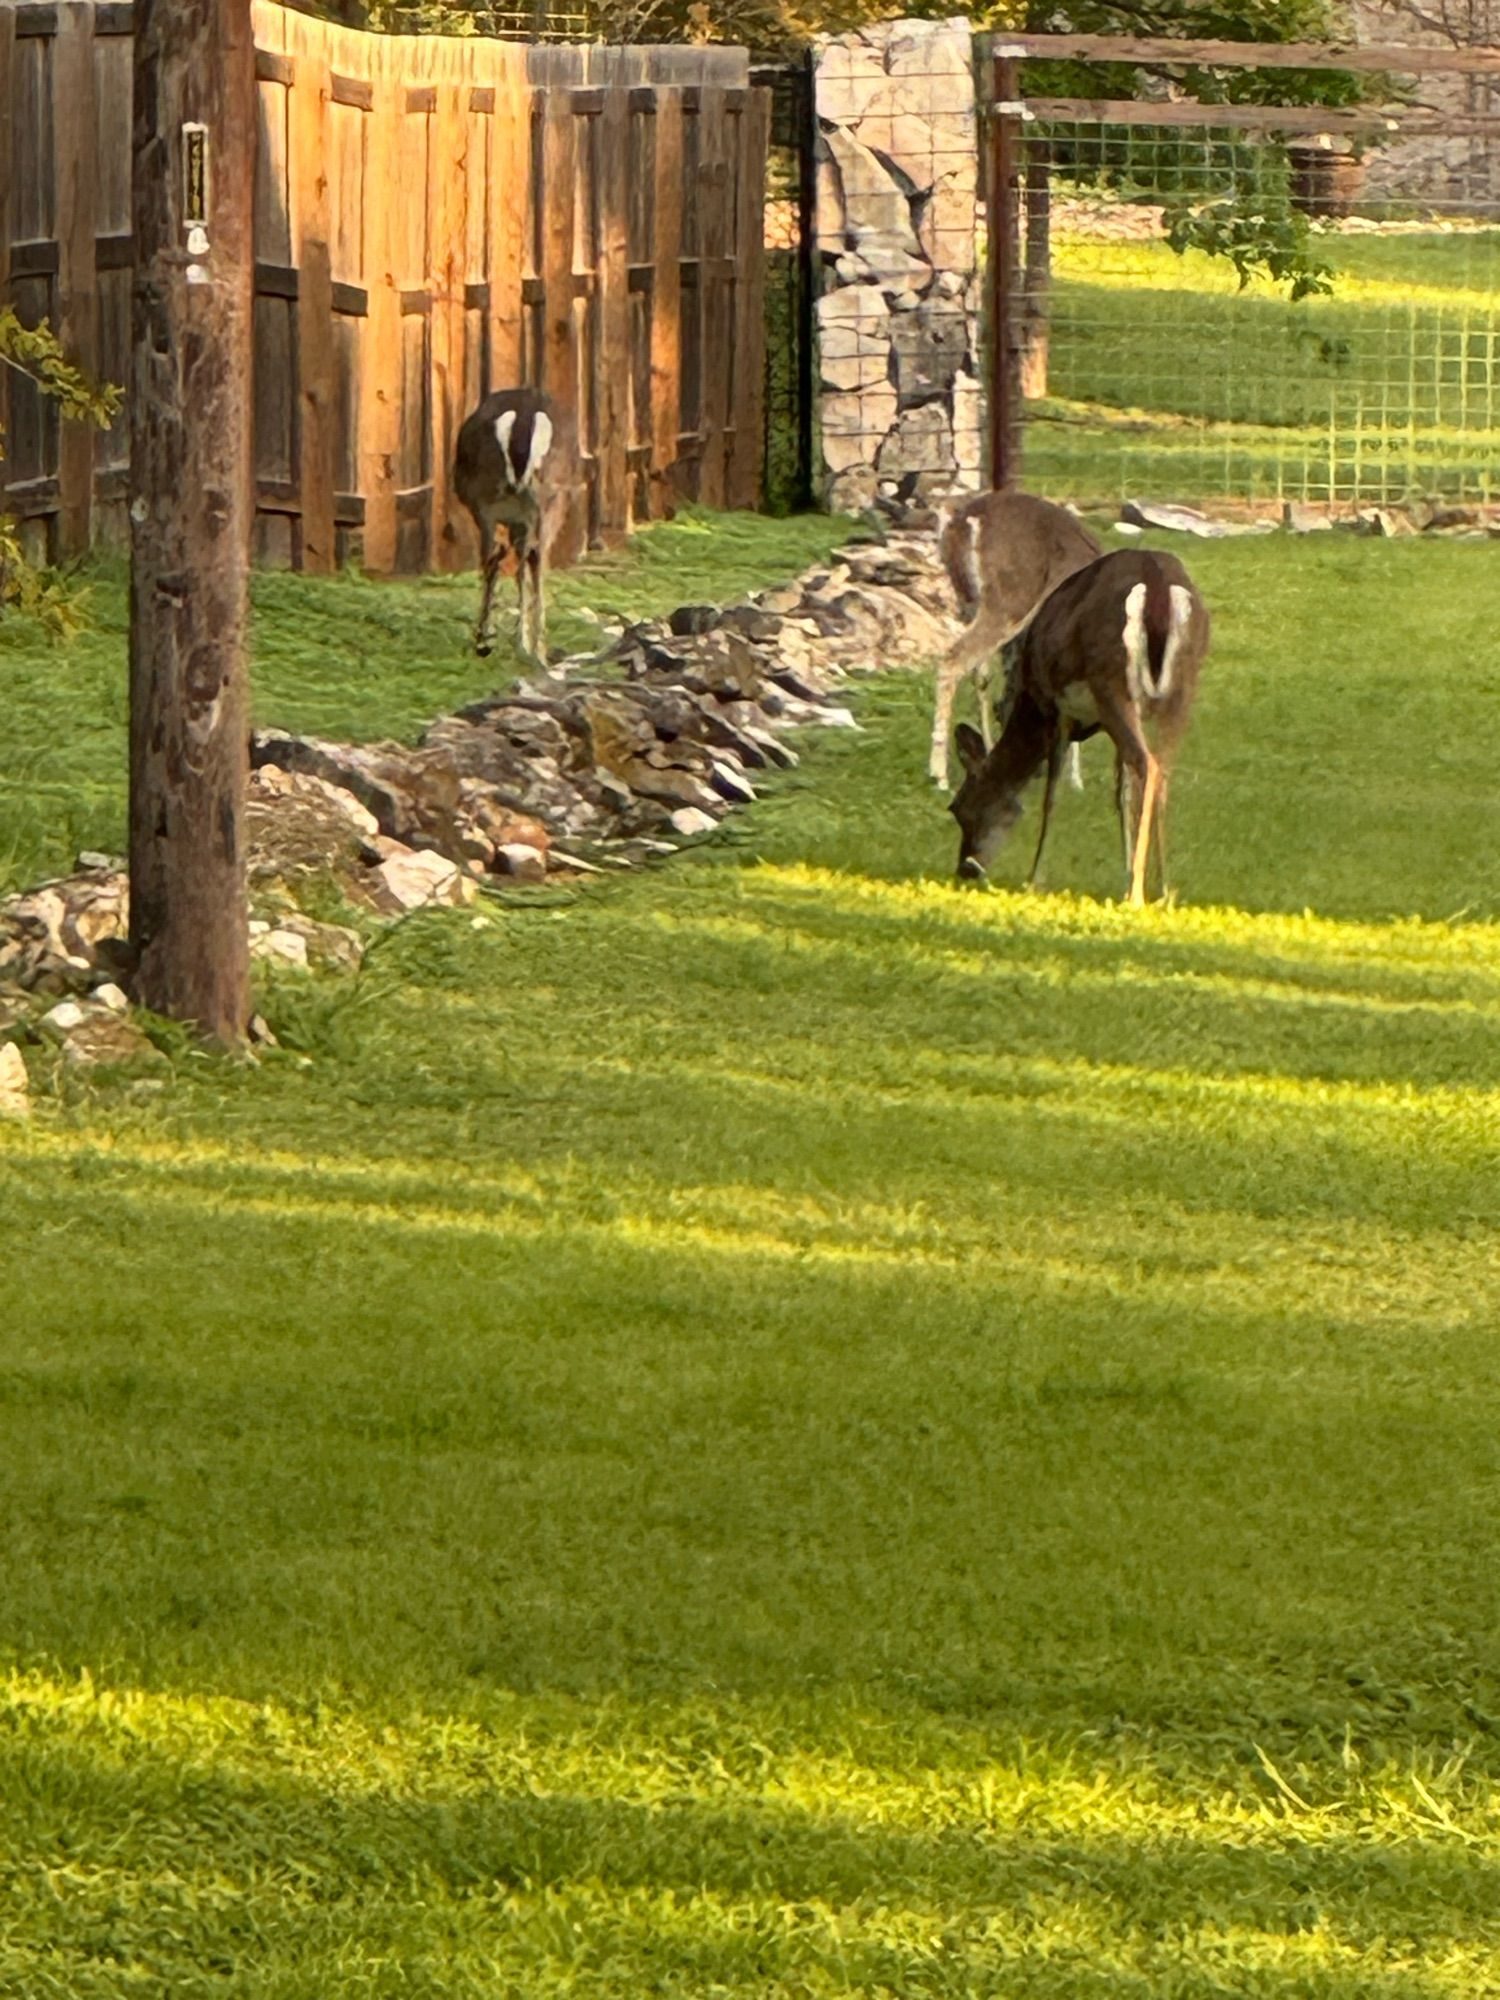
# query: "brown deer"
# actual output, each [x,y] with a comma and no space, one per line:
[510,469]
[1004,554]
[1117,647]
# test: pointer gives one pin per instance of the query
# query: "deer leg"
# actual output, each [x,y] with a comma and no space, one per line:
[1055,757]
[971,647]
[1143,833]
[491,555]
[1136,779]
[1159,826]
[537,558]
[1075,766]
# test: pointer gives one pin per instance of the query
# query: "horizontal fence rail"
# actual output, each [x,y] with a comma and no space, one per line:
[434,217]
[1157,50]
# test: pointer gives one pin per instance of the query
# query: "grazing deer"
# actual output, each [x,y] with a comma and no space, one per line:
[1116,647]
[1004,554]
[510,471]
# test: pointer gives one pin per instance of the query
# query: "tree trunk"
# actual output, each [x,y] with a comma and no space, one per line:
[193,160]
[1036,305]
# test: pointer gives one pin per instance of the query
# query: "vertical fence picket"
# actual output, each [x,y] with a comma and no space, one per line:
[559,356]
[317,402]
[77,308]
[612,278]
[380,384]
[714,121]
[509,193]
[666,304]
[447,240]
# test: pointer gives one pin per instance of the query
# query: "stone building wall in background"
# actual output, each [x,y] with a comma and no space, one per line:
[1460,174]
[898,320]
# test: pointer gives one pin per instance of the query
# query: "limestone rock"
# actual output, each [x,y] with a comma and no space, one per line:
[852,357]
[689,821]
[411,879]
[855,426]
[15,1085]
[277,947]
[521,861]
[872,200]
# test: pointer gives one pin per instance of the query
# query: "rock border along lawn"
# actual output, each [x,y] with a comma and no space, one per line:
[605,763]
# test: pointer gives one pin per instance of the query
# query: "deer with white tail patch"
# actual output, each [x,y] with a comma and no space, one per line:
[1116,647]
[510,469]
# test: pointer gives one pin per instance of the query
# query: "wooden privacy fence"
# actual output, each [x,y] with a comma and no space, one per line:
[433,218]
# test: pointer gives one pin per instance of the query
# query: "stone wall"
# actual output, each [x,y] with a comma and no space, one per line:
[1460,175]
[898,320]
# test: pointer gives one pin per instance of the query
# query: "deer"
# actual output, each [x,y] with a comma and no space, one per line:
[1004,554]
[1117,648]
[510,469]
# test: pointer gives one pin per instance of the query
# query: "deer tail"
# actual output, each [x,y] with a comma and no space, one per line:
[958,546]
[1157,616]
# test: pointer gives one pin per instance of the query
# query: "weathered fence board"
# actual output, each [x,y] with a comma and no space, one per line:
[433,218]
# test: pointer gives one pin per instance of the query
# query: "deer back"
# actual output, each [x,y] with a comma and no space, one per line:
[1005,552]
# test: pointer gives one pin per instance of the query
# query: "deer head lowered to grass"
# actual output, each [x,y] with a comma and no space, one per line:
[1004,554]
[511,468]
[1116,647]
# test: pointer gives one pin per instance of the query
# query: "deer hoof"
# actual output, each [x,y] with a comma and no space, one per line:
[484,647]
[971,872]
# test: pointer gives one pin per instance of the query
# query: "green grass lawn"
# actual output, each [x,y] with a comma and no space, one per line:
[783,1428]
[1167,381]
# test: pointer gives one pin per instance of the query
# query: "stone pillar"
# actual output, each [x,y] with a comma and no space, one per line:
[900,406]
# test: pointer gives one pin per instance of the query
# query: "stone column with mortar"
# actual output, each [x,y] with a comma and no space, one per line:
[900,406]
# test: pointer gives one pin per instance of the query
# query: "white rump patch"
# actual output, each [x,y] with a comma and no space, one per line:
[541,444]
[1133,634]
[1182,613]
[504,425]
[971,557]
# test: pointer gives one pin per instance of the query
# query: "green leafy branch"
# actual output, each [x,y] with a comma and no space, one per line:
[34,352]
[1260,240]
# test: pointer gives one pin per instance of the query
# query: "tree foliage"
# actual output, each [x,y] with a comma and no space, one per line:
[34,352]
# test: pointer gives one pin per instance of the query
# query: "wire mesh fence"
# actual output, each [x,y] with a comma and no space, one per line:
[1211,293]
[1212,314]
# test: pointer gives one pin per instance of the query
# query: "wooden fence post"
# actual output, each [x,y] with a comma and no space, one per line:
[190,509]
[1003,275]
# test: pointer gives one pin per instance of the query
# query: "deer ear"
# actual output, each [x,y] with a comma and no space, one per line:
[970,746]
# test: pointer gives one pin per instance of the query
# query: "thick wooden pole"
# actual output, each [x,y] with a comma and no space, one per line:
[1003,201]
[193,163]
